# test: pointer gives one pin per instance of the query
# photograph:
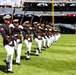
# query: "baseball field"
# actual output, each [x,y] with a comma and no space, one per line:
[59,59]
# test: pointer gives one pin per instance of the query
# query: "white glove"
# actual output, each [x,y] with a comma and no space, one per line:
[30,27]
[18,40]
[20,26]
[11,26]
[28,38]
[50,29]
[45,28]
[10,43]
[40,27]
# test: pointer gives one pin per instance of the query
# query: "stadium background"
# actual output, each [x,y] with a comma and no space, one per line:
[64,11]
[60,59]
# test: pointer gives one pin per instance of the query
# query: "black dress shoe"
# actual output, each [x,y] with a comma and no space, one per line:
[18,64]
[42,48]
[39,51]
[47,46]
[28,59]
[37,54]
[10,72]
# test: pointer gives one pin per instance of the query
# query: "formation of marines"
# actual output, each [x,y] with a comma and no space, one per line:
[43,35]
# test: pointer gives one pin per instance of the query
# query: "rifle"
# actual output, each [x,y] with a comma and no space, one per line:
[12,15]
[43,24]
[40,19]
[26,7]
[44,20]
[22,18]
[10,29]
[31,20]
[21,23]
[39,30]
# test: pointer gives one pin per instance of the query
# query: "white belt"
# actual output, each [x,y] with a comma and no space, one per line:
[9,36]
[45,36]
[49,36]
[28,38]
[39,36]
[16,35]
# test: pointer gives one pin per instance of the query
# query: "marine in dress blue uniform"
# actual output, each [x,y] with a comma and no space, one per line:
[27,38]
[8,42]
[37,37]
[17,40]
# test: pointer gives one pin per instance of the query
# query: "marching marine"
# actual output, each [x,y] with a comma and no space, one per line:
[47,36]
[27,38]
[37,37]
[8,42]
[43,36]
[17,40]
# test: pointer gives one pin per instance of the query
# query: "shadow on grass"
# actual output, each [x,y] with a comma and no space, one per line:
[32,54]
[4,60]
[14,62]
[3,68]
[33,51]
[23,57]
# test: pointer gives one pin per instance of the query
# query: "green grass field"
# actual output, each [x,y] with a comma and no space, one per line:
[59,59]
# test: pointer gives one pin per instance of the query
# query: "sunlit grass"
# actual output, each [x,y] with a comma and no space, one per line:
[59,59]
